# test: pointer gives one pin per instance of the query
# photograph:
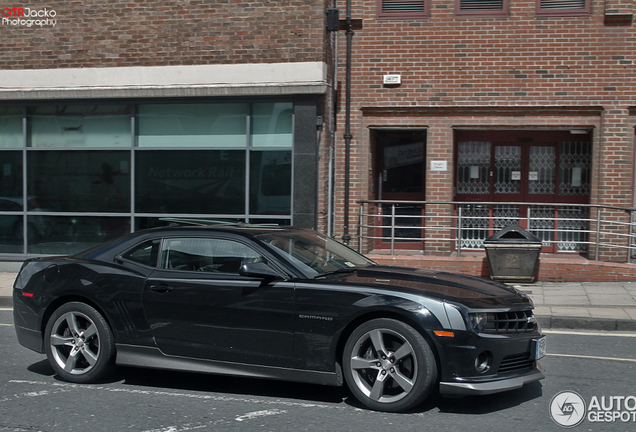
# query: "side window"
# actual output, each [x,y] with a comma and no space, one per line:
[206,255]
[146,253]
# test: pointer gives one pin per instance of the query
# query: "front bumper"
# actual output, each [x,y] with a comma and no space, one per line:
[465,387]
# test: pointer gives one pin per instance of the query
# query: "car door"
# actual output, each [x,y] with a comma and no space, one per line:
[199,306]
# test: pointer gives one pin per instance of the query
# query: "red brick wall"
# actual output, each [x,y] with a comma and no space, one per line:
[518,60]
[153,33]
[520,71]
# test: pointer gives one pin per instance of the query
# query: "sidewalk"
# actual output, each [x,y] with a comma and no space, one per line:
[563,305]
[584,305]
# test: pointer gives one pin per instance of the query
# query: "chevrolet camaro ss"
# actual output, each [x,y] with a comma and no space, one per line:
[277,303]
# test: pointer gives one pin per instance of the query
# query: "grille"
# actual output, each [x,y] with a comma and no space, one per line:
[403,6]
[516,362]
[510,322]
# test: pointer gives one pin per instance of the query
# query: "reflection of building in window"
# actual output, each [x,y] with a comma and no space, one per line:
[271,174]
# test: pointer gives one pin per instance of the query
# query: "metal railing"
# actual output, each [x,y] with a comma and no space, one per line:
[598,231]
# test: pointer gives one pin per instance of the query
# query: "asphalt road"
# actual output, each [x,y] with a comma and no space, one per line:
[594,365]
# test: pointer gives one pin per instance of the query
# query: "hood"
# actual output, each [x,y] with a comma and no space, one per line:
[470,291]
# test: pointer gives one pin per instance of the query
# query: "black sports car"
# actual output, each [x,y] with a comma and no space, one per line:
[277,303]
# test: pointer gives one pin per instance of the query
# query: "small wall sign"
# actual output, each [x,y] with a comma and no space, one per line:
[439,165]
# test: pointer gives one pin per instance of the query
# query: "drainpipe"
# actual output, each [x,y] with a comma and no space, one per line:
[347,135]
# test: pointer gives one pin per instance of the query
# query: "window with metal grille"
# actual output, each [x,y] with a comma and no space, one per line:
[563,7]
[403,8]
[481,7]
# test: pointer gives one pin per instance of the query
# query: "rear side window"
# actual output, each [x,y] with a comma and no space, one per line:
[145,253]
[206,255]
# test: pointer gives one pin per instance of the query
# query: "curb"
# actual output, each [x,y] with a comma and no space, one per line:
[586,323]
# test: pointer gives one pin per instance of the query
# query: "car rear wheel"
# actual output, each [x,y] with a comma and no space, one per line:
[389,366]
[79,343]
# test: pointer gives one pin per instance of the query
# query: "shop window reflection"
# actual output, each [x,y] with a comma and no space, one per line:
[192,182]
[80,181]
[84,126]
[73,234]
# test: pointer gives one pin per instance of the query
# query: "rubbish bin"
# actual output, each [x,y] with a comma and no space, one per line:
[513,254]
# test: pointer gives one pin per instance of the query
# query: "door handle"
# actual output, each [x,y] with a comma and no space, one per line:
[161,288]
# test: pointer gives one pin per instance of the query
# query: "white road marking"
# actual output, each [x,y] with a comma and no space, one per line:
[31,394]
[256,414]
[179,395]
[65,387]
[6,325]
[592,357]
[186,427]
[584,333]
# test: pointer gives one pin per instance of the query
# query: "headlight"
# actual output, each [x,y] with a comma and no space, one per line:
[478,321]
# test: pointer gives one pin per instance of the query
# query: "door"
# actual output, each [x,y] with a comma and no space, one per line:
[199,306]
[516,167]
[400,176]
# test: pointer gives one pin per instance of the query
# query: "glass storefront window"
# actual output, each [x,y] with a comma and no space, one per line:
[12,202]
[190,181]
[272,124]
[10,178]
[270,182]
[11,231]
[154,222]
[192,125]
[11,135]
[80,164]
[80,126]
[270,222]
[72,234]
[80,181]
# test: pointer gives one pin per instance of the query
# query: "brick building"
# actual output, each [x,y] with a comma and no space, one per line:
[115,114]
[477,102]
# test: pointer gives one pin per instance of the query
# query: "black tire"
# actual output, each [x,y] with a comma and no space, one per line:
[79,343]
[389,366]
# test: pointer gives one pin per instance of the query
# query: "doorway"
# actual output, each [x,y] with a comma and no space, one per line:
[399,175]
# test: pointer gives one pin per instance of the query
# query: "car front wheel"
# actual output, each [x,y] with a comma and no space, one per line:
[79,343]
[388,365]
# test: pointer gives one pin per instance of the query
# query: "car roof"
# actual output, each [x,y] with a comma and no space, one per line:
[180,229]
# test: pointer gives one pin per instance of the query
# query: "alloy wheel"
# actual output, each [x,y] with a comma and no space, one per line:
[75,343]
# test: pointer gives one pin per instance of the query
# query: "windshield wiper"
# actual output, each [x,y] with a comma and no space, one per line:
[333,272]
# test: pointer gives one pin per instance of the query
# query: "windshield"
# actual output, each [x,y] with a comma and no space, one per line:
[315,254]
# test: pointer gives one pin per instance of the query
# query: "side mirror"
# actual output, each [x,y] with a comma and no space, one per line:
[258,270]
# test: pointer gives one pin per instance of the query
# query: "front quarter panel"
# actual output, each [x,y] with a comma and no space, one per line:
[327,313]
